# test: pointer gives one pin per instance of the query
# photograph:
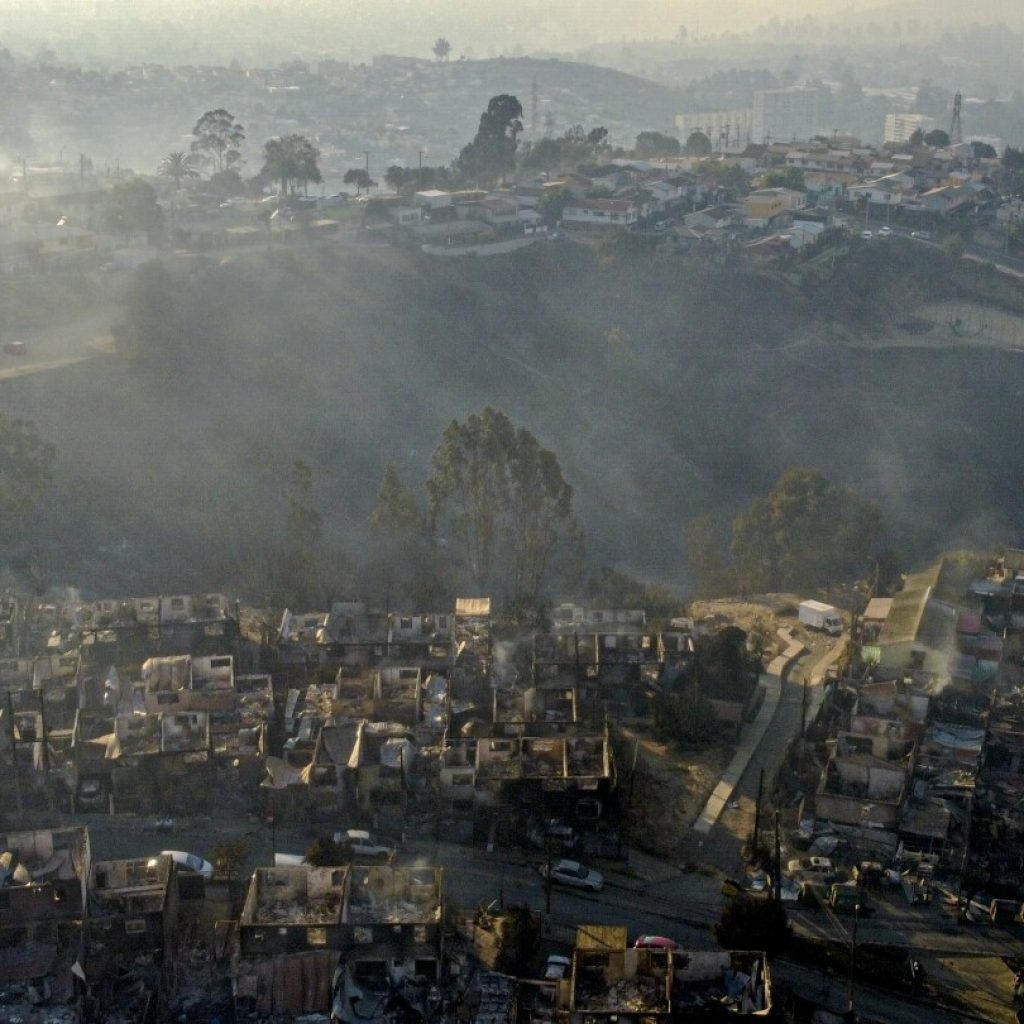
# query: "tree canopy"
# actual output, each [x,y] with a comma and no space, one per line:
[936,138]
[785,177]
[492,153]
[655,144]
[132,207]
[806,533]
[25,463]
[441,48]
[359,177]
[177,166]
[291,160]
[500,502]
[752,922]
[218,138]
[697,144]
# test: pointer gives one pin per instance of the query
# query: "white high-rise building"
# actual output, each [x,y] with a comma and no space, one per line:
[785,115]
[727,129]
[899,127]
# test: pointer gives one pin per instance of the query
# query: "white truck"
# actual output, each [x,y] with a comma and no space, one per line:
[821,616]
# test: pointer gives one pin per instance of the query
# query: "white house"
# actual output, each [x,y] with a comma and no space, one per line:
[600,213]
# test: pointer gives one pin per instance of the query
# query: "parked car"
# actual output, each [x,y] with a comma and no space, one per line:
[562,837]
[557,966]
[654,942]
[574,874]
[15,348]
[923,235]
[866,235]
[361,845]
[190,862]
[885,231]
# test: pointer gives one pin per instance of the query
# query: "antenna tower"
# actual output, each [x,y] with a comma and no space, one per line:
[534,106]
[956,129]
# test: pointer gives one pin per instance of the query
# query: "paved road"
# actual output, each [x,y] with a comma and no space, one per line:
[870,1004]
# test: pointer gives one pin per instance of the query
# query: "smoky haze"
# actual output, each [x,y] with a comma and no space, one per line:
[118,32]
[670,386]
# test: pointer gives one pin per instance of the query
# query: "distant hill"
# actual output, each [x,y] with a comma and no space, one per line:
[667,388]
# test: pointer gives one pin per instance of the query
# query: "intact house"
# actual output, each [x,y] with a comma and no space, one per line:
[601,213]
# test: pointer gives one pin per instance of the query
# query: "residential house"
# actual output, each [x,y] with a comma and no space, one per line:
[600,213]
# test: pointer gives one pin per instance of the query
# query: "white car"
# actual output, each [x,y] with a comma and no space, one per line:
[363,846]
[866,235]
[886,231]
[190,862]
[575,875]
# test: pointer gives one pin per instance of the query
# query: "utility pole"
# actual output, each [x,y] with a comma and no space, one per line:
[45,740]
[547,875]
[778,861]
[13,732]
[757,811]
[853,962]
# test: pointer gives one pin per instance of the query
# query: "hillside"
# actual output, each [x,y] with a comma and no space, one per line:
[666,388]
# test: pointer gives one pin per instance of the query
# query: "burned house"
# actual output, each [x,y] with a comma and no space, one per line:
[43,878]
[376,932]
[622,984]
[160,762]
[348,634]
[133,911]
[539,770]
[615,982]
[424,640]
[289,937]
[395,950]
[865,781]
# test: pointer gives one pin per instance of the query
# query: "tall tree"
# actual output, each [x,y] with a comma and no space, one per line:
[441,48]
[359,177]
[218,138]
[396,516]
[132,208]
[25,465]
[504,505]
[937,138]
[806,533]
[304,538]
[654,144]
[177,166]
[697,144]
[492,153]
[292,158]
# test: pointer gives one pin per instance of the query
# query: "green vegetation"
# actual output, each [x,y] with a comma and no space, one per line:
[806,533]
[217,139]
[292,161]
[752,922]
[26,463]
[492,153]
[672,392]
[505,510]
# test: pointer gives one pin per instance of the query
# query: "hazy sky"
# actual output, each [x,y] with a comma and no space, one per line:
[357,29]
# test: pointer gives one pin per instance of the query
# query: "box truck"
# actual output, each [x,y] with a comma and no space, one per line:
[818,615]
